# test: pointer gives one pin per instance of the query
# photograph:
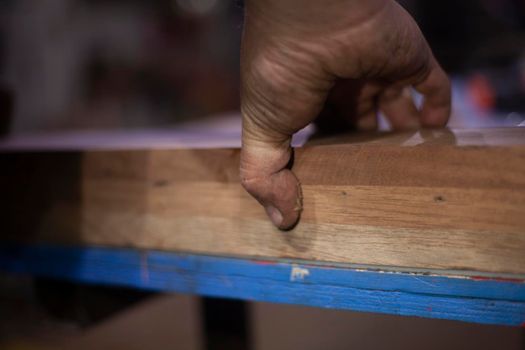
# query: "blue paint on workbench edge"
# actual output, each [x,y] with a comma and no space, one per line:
[477,300]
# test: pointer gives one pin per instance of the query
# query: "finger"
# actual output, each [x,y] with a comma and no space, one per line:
[398,106]
[367,121]
[351,105]
[366,109]
[276,101]
[266,176]
[436,91]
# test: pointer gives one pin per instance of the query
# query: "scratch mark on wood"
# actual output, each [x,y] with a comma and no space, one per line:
[264,262]
[498,279]
[424,282]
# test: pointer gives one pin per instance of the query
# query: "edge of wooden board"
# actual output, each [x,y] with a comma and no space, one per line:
[387,204]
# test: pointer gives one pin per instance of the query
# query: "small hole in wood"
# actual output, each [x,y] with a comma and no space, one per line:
[439,199]
[160,183]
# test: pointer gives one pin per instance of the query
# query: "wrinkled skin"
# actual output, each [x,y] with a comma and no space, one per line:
[360,56]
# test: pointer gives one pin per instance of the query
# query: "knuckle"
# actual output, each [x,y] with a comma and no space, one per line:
[253,185]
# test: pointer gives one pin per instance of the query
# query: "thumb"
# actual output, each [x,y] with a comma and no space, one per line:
[275,103]
[266,175]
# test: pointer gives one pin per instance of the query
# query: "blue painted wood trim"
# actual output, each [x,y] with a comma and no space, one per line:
[466,299]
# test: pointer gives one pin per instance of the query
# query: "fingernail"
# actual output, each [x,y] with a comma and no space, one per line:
[275,215]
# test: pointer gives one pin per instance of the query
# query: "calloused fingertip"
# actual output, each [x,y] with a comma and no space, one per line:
[281,222]
[286,198]
[280,195]
[290,223]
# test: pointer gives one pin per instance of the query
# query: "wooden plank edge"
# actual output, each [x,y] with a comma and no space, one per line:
[486,301]
[212,134]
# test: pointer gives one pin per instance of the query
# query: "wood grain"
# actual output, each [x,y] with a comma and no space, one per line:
[446,199]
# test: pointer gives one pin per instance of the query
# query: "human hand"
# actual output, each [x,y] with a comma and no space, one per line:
[362,56]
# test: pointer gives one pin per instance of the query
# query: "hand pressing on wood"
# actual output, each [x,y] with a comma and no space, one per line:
[356,57]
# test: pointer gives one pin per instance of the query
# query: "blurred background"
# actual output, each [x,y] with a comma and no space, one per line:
[120,64]
[72,64]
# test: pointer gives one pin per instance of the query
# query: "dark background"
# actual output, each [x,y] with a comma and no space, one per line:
[104,64]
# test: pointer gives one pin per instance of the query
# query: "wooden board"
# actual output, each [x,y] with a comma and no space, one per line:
[452,200]
[470,299]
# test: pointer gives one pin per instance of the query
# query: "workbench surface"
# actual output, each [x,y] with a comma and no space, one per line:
[428,223]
